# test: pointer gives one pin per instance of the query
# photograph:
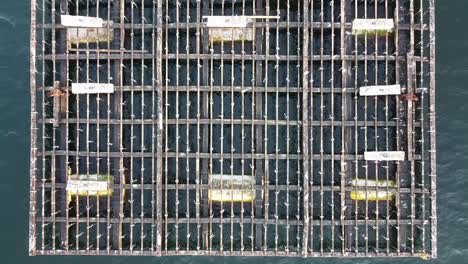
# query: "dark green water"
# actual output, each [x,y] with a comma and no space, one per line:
[452,77]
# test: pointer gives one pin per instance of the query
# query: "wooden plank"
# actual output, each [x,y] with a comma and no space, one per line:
[380,90]
[92,88]
[81,21]
[361,26]
[384,155]
[227,21]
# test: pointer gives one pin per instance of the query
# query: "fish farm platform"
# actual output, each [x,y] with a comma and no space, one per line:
[233,128]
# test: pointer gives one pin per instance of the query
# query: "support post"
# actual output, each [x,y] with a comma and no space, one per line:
[60,107]
[205,108]
[305,126]
[347,131]
[402,171]
[259,166]
[118,167]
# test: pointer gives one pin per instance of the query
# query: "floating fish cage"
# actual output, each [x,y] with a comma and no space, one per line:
[233,128]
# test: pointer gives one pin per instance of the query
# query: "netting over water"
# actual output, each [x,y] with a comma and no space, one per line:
[233,140]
